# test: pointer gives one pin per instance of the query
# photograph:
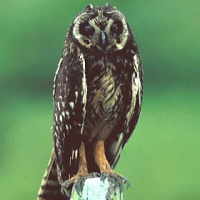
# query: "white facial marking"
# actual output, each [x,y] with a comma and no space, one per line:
[76,33]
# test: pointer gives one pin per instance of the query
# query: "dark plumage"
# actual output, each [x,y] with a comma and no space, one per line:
[97,97]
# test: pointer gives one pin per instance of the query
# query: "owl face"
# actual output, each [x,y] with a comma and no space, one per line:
[102,29]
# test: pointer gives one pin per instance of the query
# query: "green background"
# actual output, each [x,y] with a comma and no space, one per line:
[162,159]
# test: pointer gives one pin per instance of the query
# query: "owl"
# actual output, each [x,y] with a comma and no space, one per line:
[97,97]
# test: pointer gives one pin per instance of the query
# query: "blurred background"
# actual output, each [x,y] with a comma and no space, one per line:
[162,159]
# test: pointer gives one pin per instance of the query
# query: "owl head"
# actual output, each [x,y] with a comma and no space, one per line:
[103,29]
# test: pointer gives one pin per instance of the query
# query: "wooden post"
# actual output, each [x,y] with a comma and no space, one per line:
[98,188]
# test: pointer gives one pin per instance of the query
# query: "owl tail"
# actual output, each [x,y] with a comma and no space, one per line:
[50,188]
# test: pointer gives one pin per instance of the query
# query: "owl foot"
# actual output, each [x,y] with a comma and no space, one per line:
[105,169]
[75,179]
[79,178]
[110,174]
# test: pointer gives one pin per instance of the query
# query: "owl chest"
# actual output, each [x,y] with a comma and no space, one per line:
[104,106]
[104,98]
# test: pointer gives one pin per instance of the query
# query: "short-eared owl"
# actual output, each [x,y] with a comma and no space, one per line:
[97,97]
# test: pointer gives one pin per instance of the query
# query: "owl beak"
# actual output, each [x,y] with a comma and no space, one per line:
[103,39]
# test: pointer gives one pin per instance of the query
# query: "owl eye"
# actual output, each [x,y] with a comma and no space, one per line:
[86,29]
[116,27]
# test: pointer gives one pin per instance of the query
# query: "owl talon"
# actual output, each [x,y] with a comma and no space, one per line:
[75,179]
[118,177]
[78,179]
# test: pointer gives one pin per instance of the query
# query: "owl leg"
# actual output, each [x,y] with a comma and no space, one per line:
[82,167]
[103,164]
[101,160]
[100,157]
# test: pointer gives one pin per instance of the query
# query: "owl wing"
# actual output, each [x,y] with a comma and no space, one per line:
[70,92]
[123,131]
